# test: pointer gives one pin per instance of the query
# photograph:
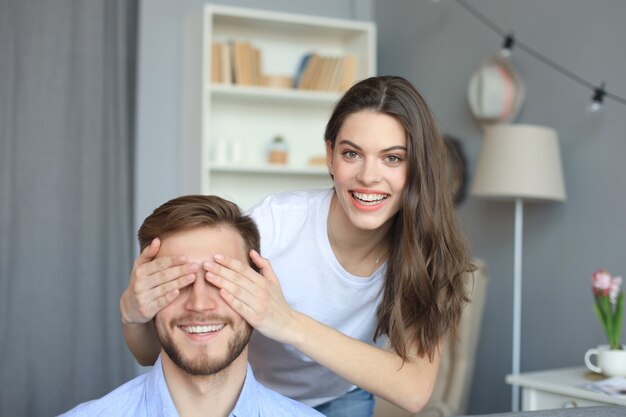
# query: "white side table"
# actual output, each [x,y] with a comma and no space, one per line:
[559,388]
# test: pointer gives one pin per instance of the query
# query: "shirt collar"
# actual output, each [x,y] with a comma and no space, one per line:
[158,397]
[160,401]
[247,405]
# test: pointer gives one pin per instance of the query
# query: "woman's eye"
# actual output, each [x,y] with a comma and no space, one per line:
[393,159]
[350,154]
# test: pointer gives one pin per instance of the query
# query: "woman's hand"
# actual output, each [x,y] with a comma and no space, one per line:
[258,298]
[154,283]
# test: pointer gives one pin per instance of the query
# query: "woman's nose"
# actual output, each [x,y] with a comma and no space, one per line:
[369,174]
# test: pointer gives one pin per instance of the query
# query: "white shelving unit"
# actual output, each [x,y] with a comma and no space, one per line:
[248,117]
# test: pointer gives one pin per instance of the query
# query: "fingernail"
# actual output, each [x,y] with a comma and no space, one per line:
[218,257]
[181,258]
[190,278]
[208,265]
[210,276]
[193,267]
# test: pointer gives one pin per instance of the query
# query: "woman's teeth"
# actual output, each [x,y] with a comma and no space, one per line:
[369,199]
[203,329]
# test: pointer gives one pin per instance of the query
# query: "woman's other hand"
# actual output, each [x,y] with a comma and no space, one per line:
[258,298]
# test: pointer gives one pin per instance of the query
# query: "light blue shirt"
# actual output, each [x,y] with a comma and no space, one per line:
[148,396]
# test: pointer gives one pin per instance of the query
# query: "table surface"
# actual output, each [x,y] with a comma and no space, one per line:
[565,381]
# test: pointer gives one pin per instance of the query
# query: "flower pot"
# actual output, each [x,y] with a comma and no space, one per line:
[610,362]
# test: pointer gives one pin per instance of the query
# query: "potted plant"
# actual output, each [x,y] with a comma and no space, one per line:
[609,304]
[609,307]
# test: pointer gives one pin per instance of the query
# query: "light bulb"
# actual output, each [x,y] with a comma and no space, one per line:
[507,45]
[597,99]
[594,107]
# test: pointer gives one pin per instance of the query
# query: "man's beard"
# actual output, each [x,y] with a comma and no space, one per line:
[203,364]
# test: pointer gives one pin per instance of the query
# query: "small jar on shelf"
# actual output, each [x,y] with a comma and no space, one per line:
[277,153]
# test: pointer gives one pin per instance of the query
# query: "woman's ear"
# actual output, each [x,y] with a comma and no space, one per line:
[329,156]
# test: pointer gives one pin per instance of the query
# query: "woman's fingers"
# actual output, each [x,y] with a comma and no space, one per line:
[258,298]
[141,301]
[242,286]
[157,298]
[154,283]
[160,272]
[263,264]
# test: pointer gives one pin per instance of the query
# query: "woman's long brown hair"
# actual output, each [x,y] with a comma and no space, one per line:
[425,284]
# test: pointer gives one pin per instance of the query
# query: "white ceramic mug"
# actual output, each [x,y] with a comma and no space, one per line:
[609,362]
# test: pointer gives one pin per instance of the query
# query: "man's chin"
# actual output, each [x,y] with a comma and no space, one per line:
[203,363]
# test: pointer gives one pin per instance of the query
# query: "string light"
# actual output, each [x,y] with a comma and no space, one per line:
[597,99]
[599,93]
[507,45]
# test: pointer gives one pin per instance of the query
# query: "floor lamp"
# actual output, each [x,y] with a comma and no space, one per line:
[519,162]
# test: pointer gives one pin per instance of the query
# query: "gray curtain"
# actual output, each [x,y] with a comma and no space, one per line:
[66,151]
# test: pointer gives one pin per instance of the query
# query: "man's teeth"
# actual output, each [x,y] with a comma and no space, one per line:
[369,199]
[203,329]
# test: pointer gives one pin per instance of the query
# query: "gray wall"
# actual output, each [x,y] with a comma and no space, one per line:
[438,46]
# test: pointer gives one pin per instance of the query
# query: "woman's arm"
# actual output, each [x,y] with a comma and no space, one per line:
[153,284]
[259,299]
[380,372]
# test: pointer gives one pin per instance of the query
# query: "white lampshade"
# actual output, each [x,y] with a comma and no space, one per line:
[519,161]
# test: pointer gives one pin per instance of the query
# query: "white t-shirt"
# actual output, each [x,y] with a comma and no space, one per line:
[294,238]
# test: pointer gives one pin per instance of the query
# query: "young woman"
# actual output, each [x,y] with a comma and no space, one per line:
[380,256]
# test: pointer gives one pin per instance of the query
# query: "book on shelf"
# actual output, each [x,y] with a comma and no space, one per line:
[235,62]
[326,73]
[216,64]
[238,62]
[297,79]
[227,67]
[348,73]
[221,68]
[307,72]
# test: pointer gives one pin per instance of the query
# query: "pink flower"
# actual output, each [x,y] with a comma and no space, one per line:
[609,304]
[601,282]
[616,283]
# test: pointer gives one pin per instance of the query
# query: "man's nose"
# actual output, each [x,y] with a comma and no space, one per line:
[203,295]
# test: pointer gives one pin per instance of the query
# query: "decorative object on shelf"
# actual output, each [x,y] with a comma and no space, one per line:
[277,153]
[226,151]
[609,304]
[236,154]
[496,92]
[457,169]
[277,81]
[610,362]
[220,150]
[519,162]
[317,161]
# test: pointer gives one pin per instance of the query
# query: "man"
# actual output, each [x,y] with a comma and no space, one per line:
[202,369]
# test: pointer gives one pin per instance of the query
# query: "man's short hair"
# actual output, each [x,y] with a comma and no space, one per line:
[194,211]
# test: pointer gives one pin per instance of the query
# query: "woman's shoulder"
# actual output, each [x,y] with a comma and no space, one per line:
[283,218]
[293,201]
